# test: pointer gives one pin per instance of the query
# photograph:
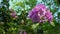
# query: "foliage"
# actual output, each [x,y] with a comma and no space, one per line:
[11,25]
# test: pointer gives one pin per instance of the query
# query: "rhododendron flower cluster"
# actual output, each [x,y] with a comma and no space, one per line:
[22,32]
[13,13]
[40,14]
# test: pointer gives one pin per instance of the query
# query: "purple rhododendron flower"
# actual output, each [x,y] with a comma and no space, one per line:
[40,14]
[22,32]
[25,32]
[13,14]
[49,15]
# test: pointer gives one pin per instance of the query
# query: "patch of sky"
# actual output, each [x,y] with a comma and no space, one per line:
[1,1]
[59,9]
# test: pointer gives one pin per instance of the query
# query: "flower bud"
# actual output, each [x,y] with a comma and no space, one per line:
[13,14]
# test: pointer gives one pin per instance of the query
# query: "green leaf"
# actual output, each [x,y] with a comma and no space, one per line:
[20,4]
[34,26]
[52,23]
